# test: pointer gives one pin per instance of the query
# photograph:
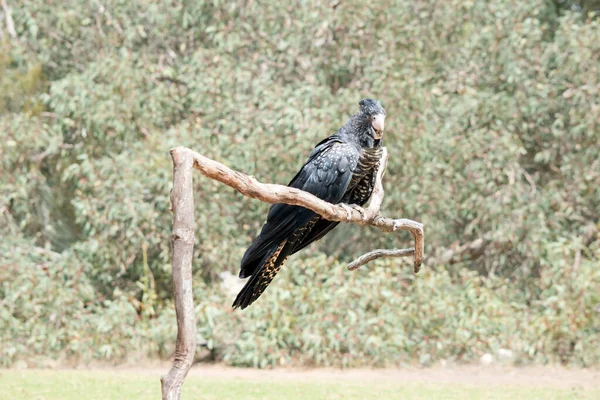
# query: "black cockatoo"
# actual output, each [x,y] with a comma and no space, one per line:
[340,169]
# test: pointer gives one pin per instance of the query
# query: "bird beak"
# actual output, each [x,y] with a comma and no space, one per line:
[378,123]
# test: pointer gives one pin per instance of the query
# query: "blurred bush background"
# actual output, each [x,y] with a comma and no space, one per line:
[493,130]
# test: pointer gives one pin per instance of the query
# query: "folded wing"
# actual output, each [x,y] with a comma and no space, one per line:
[326,174]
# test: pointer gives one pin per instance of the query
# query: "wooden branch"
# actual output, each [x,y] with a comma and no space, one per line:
[10,25]
[182,239]
[379,253]
[272,193]
[402,224]
[182,205]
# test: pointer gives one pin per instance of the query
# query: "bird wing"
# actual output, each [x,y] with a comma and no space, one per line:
[326,174]
[359,194]
[320,229]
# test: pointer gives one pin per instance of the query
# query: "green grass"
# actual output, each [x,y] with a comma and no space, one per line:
[103,384]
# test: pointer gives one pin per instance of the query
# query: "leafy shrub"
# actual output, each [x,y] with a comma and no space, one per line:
[318,313]
[50,310]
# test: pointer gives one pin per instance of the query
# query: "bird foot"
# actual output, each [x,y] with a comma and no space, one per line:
[348,210]
[349,207]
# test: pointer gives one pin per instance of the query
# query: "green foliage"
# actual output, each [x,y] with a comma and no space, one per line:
[493,134]
[49,309]
[318,314]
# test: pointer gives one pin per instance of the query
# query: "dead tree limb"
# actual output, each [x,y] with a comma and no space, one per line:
[10,25]
[379,253]
[182,205]
[272,193]
[182,239]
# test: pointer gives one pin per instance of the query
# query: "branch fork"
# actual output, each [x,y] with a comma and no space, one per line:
[182,238]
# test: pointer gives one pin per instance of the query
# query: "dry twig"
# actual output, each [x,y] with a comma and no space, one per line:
[10,25]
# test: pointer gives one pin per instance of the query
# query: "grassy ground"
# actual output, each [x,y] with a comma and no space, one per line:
[230,384]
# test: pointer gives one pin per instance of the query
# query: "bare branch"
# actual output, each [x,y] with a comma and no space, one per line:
[402,224]
[272,193]
[10,25]
[379,253]
[182,239]
[165,78]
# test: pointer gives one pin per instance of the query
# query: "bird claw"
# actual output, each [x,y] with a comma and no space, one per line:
[350,207]
[348,210]
[364,215]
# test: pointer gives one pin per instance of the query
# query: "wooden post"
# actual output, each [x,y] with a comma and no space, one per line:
[182,241]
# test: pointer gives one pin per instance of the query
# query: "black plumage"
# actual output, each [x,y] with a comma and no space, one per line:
[340,169]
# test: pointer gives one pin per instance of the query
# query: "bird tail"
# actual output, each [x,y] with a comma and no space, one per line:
[262,276]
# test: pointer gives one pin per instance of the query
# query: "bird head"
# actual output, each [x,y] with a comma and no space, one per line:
[372,115]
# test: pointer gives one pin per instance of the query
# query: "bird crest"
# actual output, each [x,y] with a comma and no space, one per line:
[371,107]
